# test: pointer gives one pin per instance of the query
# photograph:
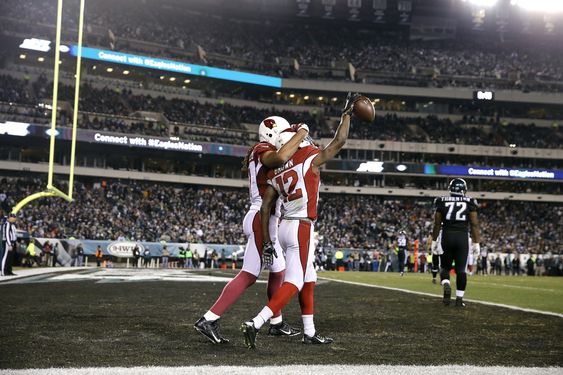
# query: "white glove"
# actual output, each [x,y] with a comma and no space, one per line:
[436,249]
[300,126]
[476,249]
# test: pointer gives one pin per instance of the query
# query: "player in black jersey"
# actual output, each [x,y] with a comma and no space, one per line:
[402,251]
[455,215]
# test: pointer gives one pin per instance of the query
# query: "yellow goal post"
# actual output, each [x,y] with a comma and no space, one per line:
[52,191]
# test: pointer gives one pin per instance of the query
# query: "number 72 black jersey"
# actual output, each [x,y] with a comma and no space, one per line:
[455,212]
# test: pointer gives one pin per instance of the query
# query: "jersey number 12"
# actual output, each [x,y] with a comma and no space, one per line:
[291,194]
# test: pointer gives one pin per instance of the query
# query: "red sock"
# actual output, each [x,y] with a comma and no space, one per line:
[306,299]
[282,296]
[232,292]
[275,281]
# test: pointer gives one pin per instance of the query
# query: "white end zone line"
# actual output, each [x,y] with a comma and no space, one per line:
[295,369]
[437,296]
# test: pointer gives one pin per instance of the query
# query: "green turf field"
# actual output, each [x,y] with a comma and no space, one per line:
[539,293]
[141,320]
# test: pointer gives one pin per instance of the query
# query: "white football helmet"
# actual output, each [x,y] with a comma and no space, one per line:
[270,129]
[285,136]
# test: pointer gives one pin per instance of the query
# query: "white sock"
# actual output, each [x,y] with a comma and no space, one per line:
[459,293]
[276,320]
[308,325]
[445,281]
[209,316]
[262,317]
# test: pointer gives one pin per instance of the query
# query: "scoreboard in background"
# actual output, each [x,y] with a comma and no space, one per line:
[374,11]
[487,96]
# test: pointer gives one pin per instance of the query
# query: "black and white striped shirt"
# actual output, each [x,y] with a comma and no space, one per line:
[9,234]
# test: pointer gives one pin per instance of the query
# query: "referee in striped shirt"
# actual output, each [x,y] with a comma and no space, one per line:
[9,237]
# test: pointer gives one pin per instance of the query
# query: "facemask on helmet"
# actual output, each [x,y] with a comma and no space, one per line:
[270,129]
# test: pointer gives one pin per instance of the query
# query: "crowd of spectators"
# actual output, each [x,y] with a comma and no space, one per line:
[225,116]
[261,45]
[149,211]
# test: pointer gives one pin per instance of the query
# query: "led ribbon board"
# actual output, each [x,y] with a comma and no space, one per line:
[516,173]
[176,66]
[380,167]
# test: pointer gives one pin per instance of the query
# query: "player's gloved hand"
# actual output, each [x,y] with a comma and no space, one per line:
[436,250]
[350,100]
[476,249]
[301,125]
[268,254]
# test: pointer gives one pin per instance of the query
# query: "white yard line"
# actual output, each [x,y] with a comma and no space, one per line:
[23,273]
[438,296]
[536,288]
[290,370]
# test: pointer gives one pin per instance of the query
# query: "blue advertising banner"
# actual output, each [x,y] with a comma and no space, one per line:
[175,66]
[517,173]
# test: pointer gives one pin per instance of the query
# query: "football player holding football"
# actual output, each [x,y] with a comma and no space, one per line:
[296,183]
[260,159]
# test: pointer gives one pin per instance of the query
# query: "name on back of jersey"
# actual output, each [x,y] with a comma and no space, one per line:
[287,165]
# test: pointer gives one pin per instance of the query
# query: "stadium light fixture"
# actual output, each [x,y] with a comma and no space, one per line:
[125,72]
[321,98]
[187,81]
[40,59]
[109,70]
[482,3]
[334,99]
[306,97]
[545,6]
[292,96]
[278,93]
[172,79]
[161,77]
[22,56]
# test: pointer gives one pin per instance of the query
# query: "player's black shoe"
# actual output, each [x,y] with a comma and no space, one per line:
[211,330]
[317,340]
[250,332]
[459,302]
[433,281]
[283,329]
[447,294]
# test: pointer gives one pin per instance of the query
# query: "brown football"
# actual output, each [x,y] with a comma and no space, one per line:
[363,108]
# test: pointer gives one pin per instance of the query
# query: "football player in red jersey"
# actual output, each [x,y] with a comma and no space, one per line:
[297,183]
[260,158]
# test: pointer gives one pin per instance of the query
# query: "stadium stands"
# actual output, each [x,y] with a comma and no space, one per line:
[269,47]
[123,102]
[147,211]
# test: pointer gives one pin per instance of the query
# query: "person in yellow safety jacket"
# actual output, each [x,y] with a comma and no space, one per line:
[189,259]
[181,256]
[339,255]
[31,254]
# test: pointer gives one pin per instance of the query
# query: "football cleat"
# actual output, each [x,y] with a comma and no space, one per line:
[250,332]
[433,281]
[459,302]
[447,294]
[283,329]
[317,340]
[210,329]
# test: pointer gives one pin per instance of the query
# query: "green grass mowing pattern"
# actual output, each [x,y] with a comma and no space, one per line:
[85,323]
[540,293]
